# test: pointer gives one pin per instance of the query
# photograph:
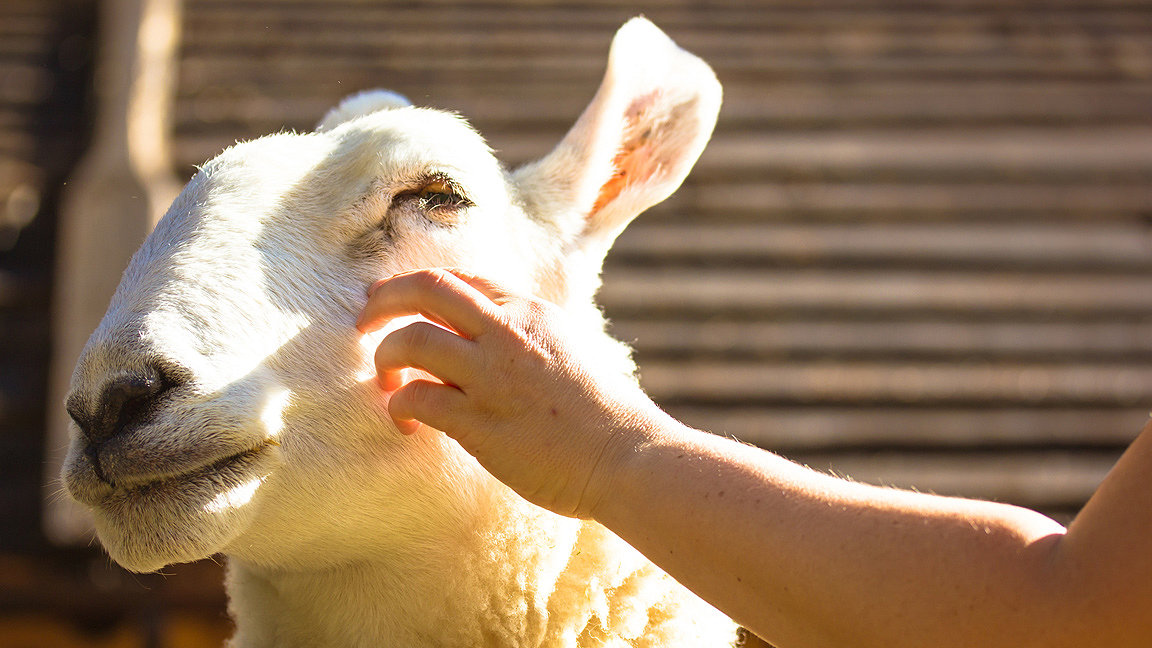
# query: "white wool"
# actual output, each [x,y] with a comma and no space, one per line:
[362,103]
[271,443]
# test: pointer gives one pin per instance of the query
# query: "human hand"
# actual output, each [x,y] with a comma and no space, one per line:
[513,389]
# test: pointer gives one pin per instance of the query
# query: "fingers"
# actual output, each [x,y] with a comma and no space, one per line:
[466,304]
[421,345]
[439,295]
[424,401]
[490,289]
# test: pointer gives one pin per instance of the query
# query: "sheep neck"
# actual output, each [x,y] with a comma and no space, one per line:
[523,579]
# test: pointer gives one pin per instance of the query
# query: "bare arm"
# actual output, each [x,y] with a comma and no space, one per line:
[809,560]
[801,558]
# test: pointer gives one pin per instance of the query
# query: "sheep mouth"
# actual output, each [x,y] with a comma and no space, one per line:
[219,466]
[91,487]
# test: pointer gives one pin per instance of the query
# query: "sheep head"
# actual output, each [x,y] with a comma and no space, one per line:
[226,403]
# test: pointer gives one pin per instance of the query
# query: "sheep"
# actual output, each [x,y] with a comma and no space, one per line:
[226,404]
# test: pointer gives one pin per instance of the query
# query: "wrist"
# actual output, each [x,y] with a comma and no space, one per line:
[619,474]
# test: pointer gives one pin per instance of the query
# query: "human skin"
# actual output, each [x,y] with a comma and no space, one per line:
[799,557]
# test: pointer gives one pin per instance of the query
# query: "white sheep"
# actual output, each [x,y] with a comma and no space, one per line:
[226,403]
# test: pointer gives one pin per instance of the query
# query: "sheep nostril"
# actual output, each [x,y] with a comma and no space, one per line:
[126,399]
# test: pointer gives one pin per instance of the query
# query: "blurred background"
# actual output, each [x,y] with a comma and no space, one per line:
[917,251]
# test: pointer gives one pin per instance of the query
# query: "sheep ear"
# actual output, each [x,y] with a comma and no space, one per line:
[360,104]
[633,145]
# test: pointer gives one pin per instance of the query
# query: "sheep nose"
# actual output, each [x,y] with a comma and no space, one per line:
[125,400]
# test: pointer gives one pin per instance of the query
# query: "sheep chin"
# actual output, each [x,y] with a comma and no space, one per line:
[183,518]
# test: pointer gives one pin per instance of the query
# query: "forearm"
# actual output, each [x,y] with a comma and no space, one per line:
[804,559]
[811,560]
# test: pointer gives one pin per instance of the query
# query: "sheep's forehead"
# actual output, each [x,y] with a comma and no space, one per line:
[412,134]
[326,172]
[401,145]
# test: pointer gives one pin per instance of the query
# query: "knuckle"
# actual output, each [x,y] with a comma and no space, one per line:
[421,280]
[416,336]
[454,271]
[397,346]
[410,400]
[416,392]
[435,278]
[537,311]
[403,347]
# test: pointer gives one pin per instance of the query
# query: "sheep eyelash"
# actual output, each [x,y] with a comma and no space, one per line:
[436,195]
[438,200]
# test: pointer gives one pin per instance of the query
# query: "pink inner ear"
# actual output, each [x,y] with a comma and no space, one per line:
[634,160]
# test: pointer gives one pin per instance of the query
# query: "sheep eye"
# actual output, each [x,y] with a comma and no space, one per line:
[437,197]
[439,194]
